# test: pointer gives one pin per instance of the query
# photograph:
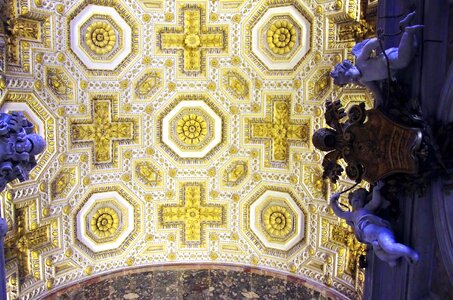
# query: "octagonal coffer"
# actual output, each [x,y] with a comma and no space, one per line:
[105,221]
[100,37]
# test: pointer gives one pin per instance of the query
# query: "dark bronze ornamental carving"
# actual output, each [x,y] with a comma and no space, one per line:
[372,145]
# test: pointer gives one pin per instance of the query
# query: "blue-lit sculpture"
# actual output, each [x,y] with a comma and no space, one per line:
[374,63]
[18,147]
[371,229]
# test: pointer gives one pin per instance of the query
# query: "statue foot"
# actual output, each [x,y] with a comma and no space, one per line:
[413,29]
[412,258]
[407,20]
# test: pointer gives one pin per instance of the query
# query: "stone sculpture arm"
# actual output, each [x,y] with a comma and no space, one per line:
[337,209]
[376,199]
[366,51]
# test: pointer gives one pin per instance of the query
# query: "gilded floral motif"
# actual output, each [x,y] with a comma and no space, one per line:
[193,214]
[195,39]
[238,87]
[63,183]
[281,37]
[148,84]
[281,131]
[30,237]
[235,173]
[103,132]
[100,37]
[277,221]
[192,129]
[148,174]
[104,222]
[192,41]
[59,82]
[344,235]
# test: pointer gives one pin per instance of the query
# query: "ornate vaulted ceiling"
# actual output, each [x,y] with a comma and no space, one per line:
[176,132]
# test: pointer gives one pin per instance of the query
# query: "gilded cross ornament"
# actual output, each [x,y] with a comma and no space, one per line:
[105,131]
[31,239]
[193,215]
[278,131]
[193,39]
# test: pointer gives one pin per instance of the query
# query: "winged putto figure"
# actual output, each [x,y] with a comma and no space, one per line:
[373,64]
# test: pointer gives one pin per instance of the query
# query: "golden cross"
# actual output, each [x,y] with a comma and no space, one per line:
[192,214]
[279,129]
[193,39]
[104,132]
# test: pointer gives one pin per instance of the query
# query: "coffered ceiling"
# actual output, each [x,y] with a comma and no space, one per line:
[177,132]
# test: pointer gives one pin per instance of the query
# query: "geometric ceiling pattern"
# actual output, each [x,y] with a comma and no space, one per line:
[177,132]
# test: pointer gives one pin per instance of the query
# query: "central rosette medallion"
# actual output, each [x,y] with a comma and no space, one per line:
[281,37]
[100,37]
[276,220]
[105,222]
[191,129]
[192,41]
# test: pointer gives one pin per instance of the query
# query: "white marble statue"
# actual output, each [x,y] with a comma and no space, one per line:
[371,64]
[371,229]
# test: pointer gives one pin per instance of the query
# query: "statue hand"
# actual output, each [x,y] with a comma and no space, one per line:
[407,20]
[335,108]
[379,185]
[334,198]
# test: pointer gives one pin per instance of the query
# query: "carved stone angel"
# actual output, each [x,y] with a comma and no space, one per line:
[371,229]
[371,62]
[18,147]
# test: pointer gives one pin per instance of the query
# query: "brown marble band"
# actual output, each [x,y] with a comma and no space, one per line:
[195,281]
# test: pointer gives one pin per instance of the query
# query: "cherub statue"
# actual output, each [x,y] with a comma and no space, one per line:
[18,147]
[371,62]
[371,229]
